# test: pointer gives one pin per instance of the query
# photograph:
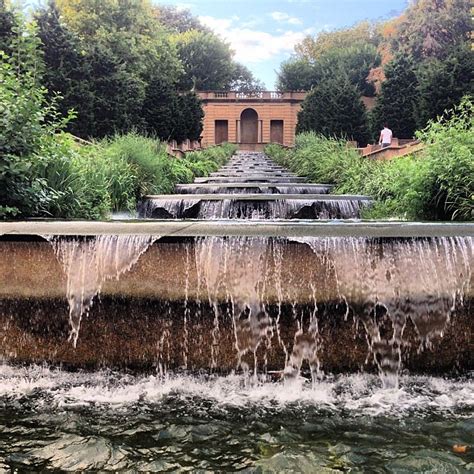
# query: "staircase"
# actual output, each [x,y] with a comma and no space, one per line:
[252,186]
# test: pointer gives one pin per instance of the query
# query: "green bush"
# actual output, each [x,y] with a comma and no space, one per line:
[437,184]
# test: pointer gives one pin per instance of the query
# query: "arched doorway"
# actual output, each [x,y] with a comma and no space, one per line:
[249,126]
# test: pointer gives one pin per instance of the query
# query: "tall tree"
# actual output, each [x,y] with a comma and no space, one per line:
[442,84]
[160,110]
[67,70]
[207,61]
[244,81]
[334,108]
[430,28]
[125,49]
[311,48]
[296,74]
[7,23]
[397,101]
[189,117]
[178,20]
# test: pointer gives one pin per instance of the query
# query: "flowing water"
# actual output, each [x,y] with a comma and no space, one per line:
[244,366]
[60,421]
[234,208]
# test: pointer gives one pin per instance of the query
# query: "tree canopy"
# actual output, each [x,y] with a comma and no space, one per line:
[418,64]
[334,109]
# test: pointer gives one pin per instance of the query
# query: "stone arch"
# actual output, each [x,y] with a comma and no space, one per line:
[249,126]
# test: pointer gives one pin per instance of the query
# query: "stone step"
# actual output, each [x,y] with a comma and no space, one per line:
[257,197]
[217,174]
[276,188]
[252,206]
[250,179]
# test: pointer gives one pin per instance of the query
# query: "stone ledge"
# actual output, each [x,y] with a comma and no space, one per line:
[195,228]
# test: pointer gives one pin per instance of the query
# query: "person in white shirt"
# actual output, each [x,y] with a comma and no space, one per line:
[385,138]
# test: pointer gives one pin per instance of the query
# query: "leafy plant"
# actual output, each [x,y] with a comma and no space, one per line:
[435,184]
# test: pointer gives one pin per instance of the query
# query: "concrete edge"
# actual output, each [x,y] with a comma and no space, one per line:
[196,228]
[257,197]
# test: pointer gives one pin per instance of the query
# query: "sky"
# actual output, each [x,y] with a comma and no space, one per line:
[263,33]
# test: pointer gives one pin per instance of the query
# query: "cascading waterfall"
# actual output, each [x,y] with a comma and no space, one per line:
[385,282]
[89,262]
[233,208]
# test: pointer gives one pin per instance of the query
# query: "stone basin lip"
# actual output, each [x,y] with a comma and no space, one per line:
[250,178]
[255,197]
[243,227]
[253,184]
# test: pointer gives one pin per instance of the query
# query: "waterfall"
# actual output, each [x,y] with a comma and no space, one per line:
[89,262]
[383,283]
[233,208]
[420,280]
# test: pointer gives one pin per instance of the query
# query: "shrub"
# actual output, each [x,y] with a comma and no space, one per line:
[435,184]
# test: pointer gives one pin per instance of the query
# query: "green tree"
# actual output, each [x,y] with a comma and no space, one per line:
[66,71]
[244,81]
[178,20]
[430,28]
[125,49]
[160,109]
[7,23]
[207,61]
[28,121]
[396,104]
[313,48]
[296,74]
[334,109]
[442,84]
[191,116]
[355,61]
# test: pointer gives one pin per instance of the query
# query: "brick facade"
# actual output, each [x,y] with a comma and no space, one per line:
[275,120]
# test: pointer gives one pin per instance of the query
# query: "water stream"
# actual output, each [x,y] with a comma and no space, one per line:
[243,345]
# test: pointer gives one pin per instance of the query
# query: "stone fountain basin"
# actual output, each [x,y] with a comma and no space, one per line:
[138,319]
[30,268]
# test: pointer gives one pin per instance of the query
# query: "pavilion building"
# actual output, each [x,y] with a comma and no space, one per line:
[250,120]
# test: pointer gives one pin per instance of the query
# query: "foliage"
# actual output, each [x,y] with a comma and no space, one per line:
[207,61]
[450,172]
[178,20]
[140,166]
[66,70]
[244,81]
[26,120]
[296,74]
[354,61]
[429,28]
[437,184]
[313,48]
[124,48]
[396,104]
[7,23]
[190,117]
[442,84]
[334,108]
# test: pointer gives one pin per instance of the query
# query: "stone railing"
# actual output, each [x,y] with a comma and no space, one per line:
[180,149]
[258,95]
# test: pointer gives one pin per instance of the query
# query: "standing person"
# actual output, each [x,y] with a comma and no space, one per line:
[385,138]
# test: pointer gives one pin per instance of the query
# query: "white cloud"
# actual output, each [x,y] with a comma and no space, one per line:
[252,46]
[284,17]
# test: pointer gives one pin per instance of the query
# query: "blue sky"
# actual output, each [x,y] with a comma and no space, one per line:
[263,32]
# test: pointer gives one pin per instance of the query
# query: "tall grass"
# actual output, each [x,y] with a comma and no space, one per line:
[94,180]
[437,184]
